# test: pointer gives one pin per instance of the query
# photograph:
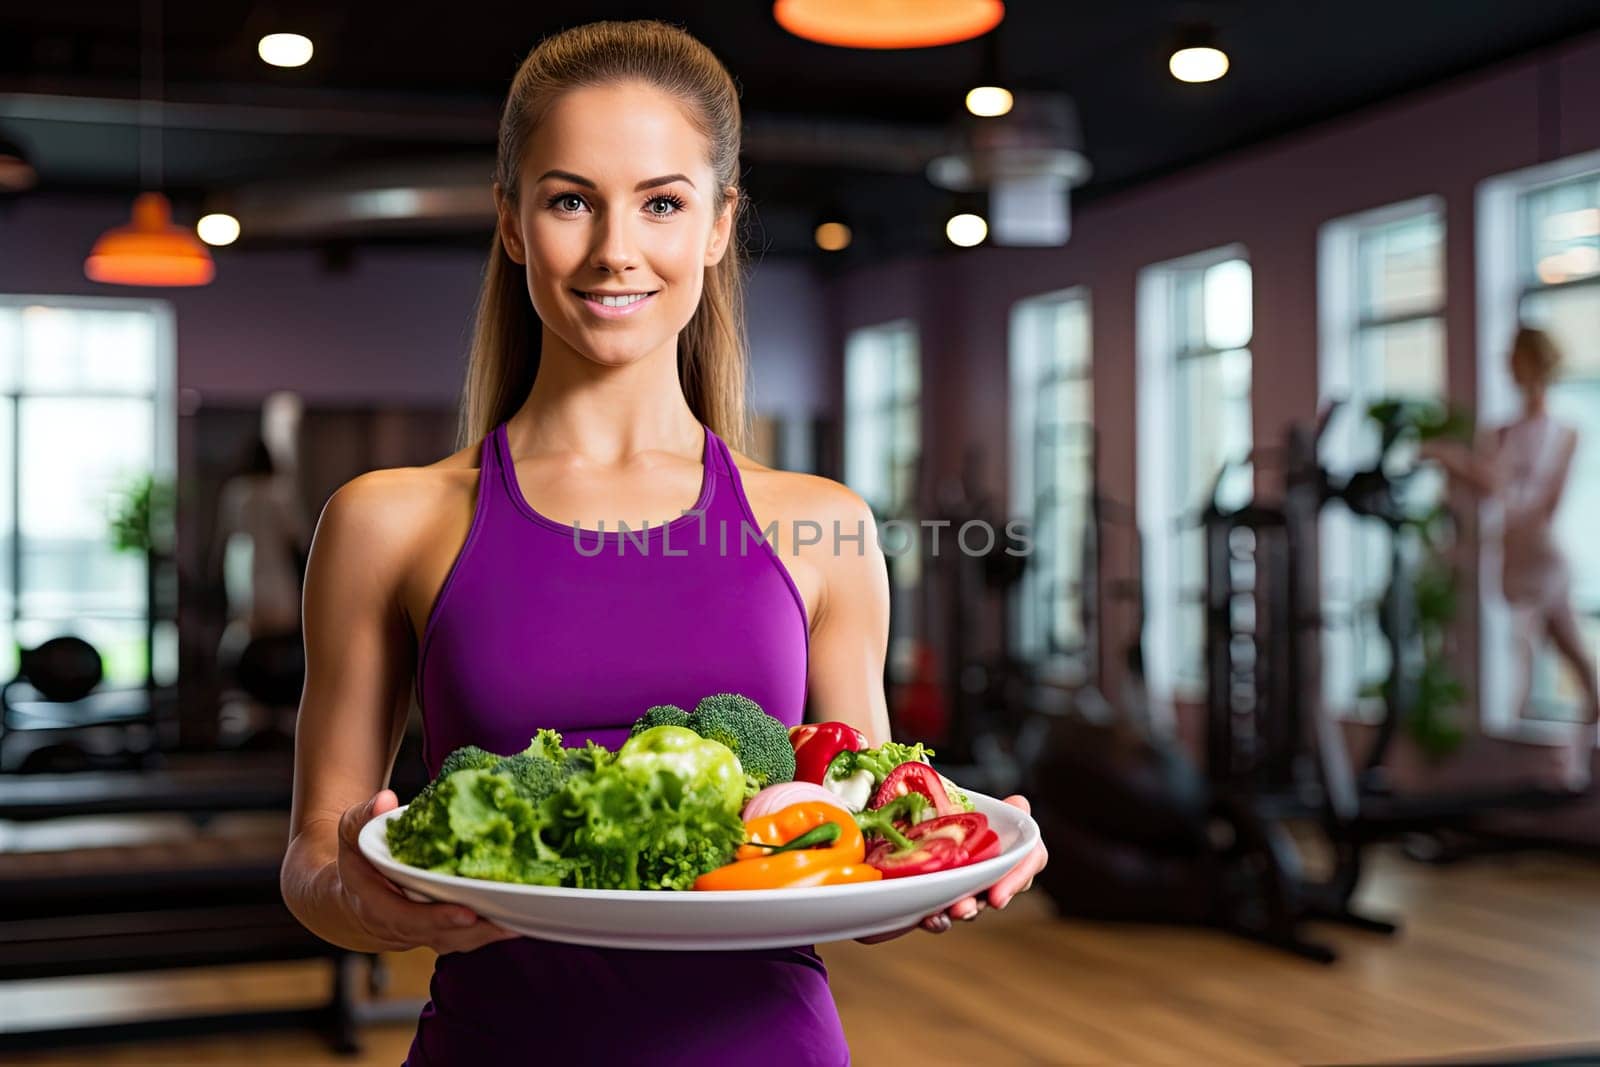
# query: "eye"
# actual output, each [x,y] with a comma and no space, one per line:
[558,201]
[674,202]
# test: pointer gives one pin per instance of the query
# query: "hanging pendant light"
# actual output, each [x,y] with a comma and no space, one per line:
[150,250]
[888,23]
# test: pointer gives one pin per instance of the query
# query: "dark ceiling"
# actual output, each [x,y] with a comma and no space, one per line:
[389,81]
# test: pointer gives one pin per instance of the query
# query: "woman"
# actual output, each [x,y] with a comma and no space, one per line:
[607,366]
[1524,465]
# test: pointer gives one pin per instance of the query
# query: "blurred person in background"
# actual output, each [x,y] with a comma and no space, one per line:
[1523,466]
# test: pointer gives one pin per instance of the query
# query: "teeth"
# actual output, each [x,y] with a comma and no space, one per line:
[617,301]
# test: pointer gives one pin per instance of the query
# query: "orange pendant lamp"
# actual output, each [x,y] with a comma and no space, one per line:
[150,250]
[888,23]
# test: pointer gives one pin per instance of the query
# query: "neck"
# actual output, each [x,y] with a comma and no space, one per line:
[1533,402]
[602,412]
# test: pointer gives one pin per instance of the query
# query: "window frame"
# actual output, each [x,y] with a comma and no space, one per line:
[1343,325]
[162,398]
[1030,321]
[1161,519]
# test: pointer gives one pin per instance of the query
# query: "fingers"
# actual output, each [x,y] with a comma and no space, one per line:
[385,913]
[1019,879]
[1017,800]
[354,818]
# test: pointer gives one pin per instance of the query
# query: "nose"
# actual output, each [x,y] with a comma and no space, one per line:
[614,250]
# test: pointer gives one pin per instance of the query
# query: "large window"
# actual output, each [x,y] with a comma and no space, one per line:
[1539,256]
[883,447]
[85,407]
[1052,446]
[1381,295]
[1194,327]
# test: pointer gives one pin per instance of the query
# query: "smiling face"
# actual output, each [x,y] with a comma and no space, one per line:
[615,196]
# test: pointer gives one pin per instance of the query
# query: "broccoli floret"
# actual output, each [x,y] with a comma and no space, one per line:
[547,744]
[760,741]
[534,776]
[660,715]
[467,758]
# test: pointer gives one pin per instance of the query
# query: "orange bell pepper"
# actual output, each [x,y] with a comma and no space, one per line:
[754,867]
[786,824]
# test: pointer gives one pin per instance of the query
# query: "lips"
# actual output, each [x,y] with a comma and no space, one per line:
[596,305]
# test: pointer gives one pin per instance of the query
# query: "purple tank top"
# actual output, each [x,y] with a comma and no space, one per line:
[536,627]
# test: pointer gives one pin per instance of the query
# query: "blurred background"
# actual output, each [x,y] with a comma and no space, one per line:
[1181,289]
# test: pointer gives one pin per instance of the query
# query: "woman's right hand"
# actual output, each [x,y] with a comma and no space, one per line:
[386,914]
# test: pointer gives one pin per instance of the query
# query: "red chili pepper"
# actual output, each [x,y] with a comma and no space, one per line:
[815,745]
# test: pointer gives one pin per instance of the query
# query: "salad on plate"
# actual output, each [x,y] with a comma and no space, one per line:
[723,797]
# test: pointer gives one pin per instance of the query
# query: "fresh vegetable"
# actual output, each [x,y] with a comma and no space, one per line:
[816,743]
[957,797]
[791,870]
[914,778]
[760,741]
[784,825]
[936,845]
[776,856]
[655,821]
[880,761]
[856,776]
[660,715]
[853,790]
[888,821]
[782,795]
[698,762]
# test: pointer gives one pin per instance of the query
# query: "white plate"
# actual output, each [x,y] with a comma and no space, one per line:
[706,921]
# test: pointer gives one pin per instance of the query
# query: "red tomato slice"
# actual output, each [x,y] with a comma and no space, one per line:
[986,846]
[938,845]
[914,777]
[925,857]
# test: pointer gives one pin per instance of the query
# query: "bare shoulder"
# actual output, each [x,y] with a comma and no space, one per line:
[824,532]
[794,496]
[388,519]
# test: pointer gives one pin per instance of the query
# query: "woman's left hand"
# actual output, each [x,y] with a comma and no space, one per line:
[1017,880]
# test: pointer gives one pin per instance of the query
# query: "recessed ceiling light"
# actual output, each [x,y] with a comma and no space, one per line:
[989,101]
[218,229]
[1203,64]
[285,49]
[966,230]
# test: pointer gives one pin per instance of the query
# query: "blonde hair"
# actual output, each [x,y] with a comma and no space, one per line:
[712,348]
[1541,349]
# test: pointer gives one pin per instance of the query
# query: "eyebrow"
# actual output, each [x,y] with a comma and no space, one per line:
[648,183]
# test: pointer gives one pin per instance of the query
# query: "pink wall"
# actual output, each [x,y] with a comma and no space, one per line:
[1271,198]
[394,328]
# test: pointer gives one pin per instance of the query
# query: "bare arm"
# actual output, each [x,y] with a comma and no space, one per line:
[1476,468]
[359,661]
[850,635]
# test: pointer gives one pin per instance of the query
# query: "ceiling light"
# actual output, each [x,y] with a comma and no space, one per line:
[1198,64]
[150,250]
[285,49]
[888,23]
[966,230]
[1196,55]
[833,236]
[988,101]
[217,229]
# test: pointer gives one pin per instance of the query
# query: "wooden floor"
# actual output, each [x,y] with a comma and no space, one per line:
[1498,957]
